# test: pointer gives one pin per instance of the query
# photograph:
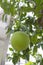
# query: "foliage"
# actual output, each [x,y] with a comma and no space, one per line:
[32,25]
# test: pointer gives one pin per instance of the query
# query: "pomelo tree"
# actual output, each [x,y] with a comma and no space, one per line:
[31,24]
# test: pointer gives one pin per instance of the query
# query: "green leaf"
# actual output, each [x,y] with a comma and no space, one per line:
[10,49]
[37,2]
[34,50]
[15,58]
[41,62]
[25,9]
[5,6]
[42,46]
[26,54]
[10,58]
[34,39]
[38,58]
[12,9]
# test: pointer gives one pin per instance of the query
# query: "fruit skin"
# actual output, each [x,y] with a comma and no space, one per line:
[29,63]
[20,41]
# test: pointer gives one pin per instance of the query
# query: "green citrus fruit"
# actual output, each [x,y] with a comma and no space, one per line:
[20,40]
[29,63]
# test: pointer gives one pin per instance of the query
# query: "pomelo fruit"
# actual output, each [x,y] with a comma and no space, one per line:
[20,40]
[29,63]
